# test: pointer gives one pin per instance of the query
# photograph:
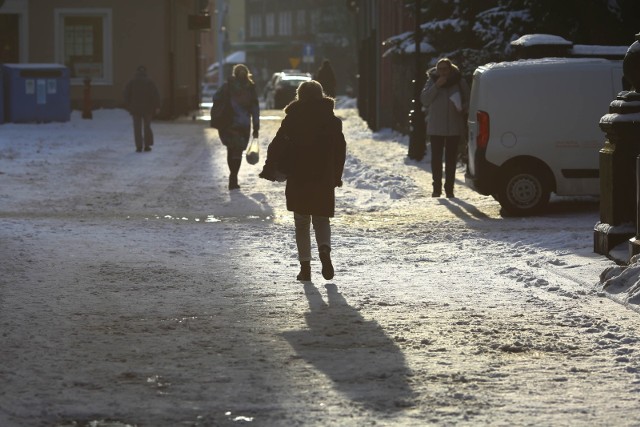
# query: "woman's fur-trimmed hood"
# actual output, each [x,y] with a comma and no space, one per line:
[453,79]
[323,105]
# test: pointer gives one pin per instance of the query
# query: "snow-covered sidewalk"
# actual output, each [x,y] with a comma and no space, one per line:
[136,290]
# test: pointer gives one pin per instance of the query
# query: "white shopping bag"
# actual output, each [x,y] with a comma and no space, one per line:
[457,101]
[253,152]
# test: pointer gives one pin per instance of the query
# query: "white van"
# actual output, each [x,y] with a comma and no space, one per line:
[533,129]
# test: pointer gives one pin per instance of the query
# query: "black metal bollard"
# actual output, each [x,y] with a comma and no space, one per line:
[417,127]
[417,130]
[618,185]
[87,112]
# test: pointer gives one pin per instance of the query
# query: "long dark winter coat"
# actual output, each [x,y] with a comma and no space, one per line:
[246,111]
[311,143]
[327,78]
[141,94]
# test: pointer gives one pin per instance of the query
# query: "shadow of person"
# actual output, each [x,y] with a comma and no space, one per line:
[463,210]
[241,204]
[362,361]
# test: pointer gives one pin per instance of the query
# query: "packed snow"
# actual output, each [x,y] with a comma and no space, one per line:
[136,290]
[540,39]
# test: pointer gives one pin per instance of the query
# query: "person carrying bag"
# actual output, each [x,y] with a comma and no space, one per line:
[309,152]
[243,100]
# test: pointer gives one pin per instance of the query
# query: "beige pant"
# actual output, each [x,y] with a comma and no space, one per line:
[322,229]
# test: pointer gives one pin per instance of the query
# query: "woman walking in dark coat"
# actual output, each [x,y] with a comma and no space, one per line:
[327,78]
[241,91]
[309,149]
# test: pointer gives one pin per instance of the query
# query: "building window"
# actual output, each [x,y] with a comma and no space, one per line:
[315,21]
[255,26]
[301,22]
[270,24]
[83,44]
[284,23]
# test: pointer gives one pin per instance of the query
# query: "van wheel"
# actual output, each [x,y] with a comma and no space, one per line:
[524,191]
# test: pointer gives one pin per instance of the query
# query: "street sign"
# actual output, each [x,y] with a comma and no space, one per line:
[294,62]
[308,55]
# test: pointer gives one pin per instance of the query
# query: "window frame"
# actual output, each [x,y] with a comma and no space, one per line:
[255,26]
[270,24]
[285,27]
[107,35]
[301,21]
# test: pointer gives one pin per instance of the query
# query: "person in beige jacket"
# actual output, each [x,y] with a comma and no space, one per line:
[445,97]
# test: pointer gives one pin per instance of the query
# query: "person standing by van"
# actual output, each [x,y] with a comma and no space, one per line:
[446,99]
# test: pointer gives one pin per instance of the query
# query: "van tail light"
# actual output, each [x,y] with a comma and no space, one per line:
[483,129]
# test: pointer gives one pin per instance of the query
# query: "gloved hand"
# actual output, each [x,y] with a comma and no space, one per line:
[255,133]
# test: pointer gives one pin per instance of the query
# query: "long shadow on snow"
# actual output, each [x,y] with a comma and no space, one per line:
[557,207]
[356,354]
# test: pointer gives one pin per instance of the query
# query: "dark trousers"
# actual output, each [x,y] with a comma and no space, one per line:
[142,122]
[447,145]
[234,160]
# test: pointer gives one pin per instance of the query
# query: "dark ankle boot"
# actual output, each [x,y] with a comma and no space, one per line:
[325,259]
[448,190]
[305,271]
[233,182]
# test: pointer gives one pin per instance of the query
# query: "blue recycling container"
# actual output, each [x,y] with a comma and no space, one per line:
[36,93]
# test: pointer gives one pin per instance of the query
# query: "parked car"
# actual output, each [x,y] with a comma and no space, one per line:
[281,88]
[533,129]
[267,93]
[208,90]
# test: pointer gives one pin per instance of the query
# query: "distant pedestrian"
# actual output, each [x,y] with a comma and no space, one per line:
[327,78]
[241,91]
[446,99]
[309,150]
[142,100]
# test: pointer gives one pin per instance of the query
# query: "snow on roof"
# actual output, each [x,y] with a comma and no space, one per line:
[529,40]
[540,39]
[295,77]
[541,61]
[596,50]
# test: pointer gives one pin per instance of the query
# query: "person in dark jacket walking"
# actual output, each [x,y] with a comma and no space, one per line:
[309,149]
[327,78]
[446,99]
[241,91]
[142,100]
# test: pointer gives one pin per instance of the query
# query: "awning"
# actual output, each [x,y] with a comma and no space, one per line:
[264,46]
[239,57]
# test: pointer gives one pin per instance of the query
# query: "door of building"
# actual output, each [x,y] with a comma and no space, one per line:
[9,38]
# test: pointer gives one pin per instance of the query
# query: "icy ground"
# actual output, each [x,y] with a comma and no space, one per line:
[135,290]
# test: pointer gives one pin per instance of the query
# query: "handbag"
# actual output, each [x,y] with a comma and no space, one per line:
[222,111]
[278,165]
[253,152]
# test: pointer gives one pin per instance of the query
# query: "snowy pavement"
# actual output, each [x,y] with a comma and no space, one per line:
[135,290]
